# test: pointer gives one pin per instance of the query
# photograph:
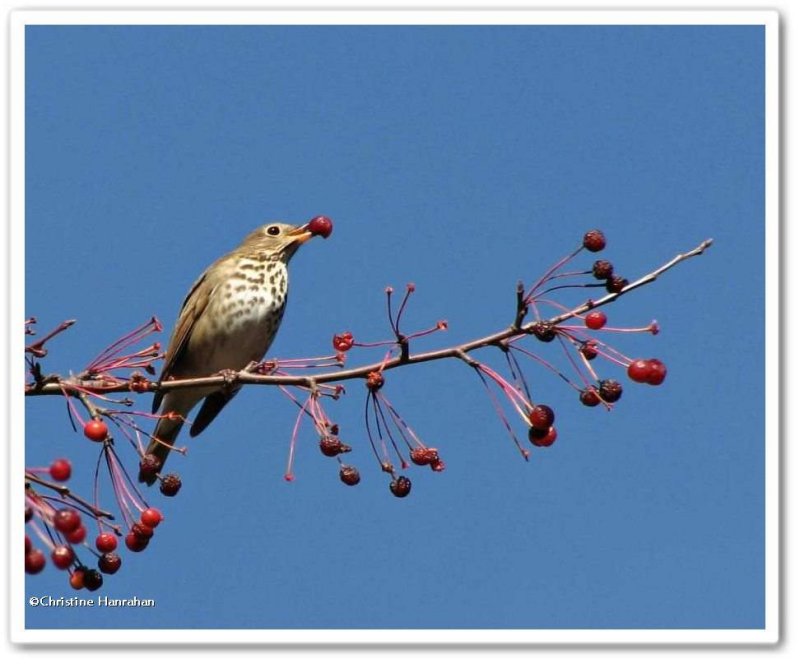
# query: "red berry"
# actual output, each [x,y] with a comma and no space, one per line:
[542,437]
[594,240]
[639,370]
[651,371]
[66,520]
[658,372]
[34,562]
[343,342]
[170,484]
[589,397]
[437,466]
[62,556]
[602,270]
[349,475]
[595,320]
[400,486]
[151,517]
[76,579]
[95,430]
[106,542]
[320,226]
[92,579]
[76,536]
[135,543]
[109,563]
[541,417]
[60,470]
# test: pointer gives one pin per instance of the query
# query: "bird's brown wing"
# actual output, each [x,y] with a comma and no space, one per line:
[193,306]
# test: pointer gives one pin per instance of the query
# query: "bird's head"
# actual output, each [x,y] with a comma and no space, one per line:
[285,239]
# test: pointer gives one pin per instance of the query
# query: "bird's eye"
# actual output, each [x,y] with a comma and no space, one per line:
[273,230]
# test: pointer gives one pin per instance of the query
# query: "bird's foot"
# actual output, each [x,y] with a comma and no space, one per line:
[230,377]
[251,366]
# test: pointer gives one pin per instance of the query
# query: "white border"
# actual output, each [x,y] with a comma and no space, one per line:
[770,19]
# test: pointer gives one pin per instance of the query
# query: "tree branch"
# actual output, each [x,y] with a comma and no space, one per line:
[110,385]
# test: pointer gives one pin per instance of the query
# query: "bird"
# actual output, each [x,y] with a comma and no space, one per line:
[228,321]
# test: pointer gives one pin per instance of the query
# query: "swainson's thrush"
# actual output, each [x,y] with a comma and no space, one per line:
[228,320]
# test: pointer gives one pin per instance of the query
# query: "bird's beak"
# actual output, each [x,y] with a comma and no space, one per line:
[300,234]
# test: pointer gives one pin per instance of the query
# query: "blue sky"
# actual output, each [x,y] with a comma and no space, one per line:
[462,159]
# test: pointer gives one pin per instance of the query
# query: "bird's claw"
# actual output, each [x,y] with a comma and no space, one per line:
[229,376]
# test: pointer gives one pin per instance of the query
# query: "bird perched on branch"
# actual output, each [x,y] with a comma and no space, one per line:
[228,320]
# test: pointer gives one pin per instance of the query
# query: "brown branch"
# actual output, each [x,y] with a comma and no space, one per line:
[245,377]
[64,491]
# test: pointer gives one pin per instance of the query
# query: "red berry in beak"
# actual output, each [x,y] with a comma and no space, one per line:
[320,226]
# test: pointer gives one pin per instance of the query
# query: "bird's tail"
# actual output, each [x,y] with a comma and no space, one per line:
[161,443]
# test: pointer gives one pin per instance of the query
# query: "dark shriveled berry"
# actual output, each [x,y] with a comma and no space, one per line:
[544,331]
[331,446]
[149,465]
[170,484]
[400,486]
[424,456]
[589,350]
[109,563]
[374,380]
[610,390]
[349,475]
[92,579]
[602,270]
[594,240]
[615,284]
